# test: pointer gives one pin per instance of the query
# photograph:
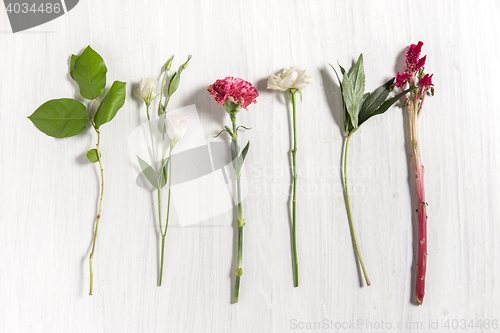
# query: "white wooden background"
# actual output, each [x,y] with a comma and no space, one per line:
[48,190]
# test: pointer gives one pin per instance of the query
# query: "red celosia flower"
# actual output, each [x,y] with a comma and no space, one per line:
[426,81]
[413,63]
[401,79]
[235,90]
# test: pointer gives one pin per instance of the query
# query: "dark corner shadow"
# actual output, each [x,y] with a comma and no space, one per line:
[399,66]
[334,99]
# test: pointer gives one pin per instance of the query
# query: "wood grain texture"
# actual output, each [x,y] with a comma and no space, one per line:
[48,191]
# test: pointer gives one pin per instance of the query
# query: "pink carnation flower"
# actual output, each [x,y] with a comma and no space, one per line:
[235,90]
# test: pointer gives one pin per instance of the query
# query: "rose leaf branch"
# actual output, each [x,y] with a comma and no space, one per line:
[66,117]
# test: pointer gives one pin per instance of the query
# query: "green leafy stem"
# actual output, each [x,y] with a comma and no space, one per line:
[158,177]
[66,117]
[358,107]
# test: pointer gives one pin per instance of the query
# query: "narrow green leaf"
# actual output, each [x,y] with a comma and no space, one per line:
[174,83]
[374,101]
[114,100]
[244,152]
[163,174]
[89,71]
[92,155]
[342,70]
[387,104]
[148,171]
[60,118]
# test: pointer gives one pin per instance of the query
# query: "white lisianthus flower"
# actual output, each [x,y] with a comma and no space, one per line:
[289,78]
[176,127]
[147,90]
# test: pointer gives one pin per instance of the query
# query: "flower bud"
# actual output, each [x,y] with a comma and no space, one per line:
[147,90]
[169,63]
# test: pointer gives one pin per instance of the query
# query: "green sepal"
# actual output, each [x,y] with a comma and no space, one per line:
[60,118]
[149,172]
[114,100]
[89,72]
[93,155]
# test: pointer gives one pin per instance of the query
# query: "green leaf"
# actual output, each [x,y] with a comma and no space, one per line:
[89,71]
[148,171]
[163,175]
[93,155]
[244,152]
[374,101]
[72,65]
[60,118]
[353,90]
[174,83]
[387,104]
[114,100]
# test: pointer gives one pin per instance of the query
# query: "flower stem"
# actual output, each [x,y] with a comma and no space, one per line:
[294,152]
[152,141]
[350,214]
[99,213]
[421,203]
[240,222]
[164,233]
